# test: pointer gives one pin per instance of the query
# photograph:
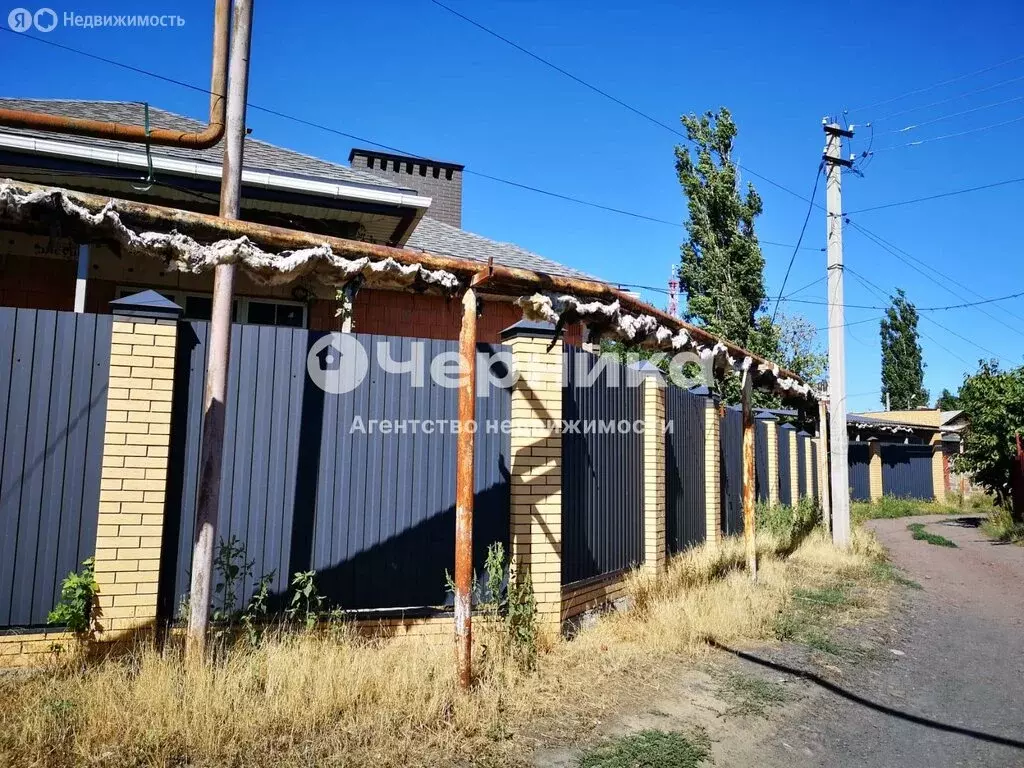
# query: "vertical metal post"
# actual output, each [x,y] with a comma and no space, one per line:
[823,476]
[749,519]
[464,490]
[840,471]
[82,276]
[214,403]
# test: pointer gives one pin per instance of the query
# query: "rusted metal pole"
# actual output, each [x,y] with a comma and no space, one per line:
[749,519]
[464,490]
[204,139]
[824,490]
[215,402]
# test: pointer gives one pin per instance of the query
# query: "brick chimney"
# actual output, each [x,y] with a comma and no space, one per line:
[442,182]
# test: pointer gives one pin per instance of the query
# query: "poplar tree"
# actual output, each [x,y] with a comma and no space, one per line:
[902,362]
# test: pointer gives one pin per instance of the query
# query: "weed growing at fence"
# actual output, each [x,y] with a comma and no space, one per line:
[326,695]
[920,534]
[1001,526]
[77,594]
[891,507]
[665,749]
[790,524]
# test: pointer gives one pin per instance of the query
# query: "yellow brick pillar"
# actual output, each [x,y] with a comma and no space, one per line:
[772,431]
[938,469]
[875,470]
[794,467]
[135,457]
[654,469]
[536,471]
[712,471]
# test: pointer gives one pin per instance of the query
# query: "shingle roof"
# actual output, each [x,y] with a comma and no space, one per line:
[428,235]
[437,237]
[259,155]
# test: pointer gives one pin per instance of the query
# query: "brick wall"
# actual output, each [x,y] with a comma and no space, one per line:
[37,283]
[441,182]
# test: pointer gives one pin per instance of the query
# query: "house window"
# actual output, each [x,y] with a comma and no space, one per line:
[252,311]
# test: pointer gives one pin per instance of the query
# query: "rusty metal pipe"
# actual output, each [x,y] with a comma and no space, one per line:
[502,280]
[98,129]
[749,518]
[464,490]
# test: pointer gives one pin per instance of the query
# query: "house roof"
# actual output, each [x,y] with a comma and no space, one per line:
[437,237]
[428,235]
[259,155]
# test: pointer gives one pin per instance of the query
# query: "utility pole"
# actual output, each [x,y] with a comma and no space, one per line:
[838,440]
[215,402]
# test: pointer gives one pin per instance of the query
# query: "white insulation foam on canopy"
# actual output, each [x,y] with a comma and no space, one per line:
[182,253]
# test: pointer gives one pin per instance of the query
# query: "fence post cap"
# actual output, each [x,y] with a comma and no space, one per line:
[787,426]
[765,415]
[529,329]
[146,304]
[803,433]
[700,389]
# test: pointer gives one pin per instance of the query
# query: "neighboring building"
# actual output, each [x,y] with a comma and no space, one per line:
[384,198]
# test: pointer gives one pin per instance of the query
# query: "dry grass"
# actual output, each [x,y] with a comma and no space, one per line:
[320,699]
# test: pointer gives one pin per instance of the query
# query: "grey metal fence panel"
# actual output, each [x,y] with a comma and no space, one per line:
[815,487]
[785,486]
[732,470]
[802,447]
[907,471]
[860,474]
[310,483]
[55,368]
[602,472]
[686,522]
[761,459]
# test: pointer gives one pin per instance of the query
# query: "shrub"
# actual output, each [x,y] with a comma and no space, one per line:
[77,593]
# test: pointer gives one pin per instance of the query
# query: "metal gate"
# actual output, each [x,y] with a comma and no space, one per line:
[732,470]
[602,468]
[785,469]
[55,369]
[314,481]
[907,471]
[686,522]
[860,471]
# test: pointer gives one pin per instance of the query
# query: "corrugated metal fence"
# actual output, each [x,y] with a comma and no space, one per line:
[732,470]
[761,459]
[860,471]
[803,441]
[785,487]
[54,368]
[907,471]
[310,483]
[686,523]
[602,471]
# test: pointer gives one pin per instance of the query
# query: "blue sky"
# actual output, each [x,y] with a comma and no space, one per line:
[408,74]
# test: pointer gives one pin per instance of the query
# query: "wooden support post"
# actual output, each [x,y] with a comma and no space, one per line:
[824,490]
[749,533]
[464,490]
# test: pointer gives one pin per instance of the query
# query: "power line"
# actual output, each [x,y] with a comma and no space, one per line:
[926,88]
[976,91]
[935,197]
[805,287]
[939,119]
[919,309]
[605,94]
[847,325]
[903,256]
[919,142]
[800,239]
[399,150]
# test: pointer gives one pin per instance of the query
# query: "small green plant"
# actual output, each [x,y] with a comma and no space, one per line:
[255,613]
[521,620]
[750,695]
[306,602]
[77,594]
[650,749]
[887,572]
[920,534]
[231,566]
[1001,526]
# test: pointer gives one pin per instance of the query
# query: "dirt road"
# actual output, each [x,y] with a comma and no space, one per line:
[951,691]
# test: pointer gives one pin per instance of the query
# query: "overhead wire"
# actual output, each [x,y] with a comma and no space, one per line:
[915,126]
[938,196]
[940,102]
[933,86]
[958,134]
[799,240]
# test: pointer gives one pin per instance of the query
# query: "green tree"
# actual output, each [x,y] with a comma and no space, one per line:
[722,270]
[902,364]
[993,402]
[799,349]
[947,401]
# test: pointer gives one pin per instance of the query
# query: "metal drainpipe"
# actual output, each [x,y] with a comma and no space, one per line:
[464,490]
[204,139]
[215,402]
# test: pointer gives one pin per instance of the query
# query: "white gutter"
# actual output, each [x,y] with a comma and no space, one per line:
[199,170]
